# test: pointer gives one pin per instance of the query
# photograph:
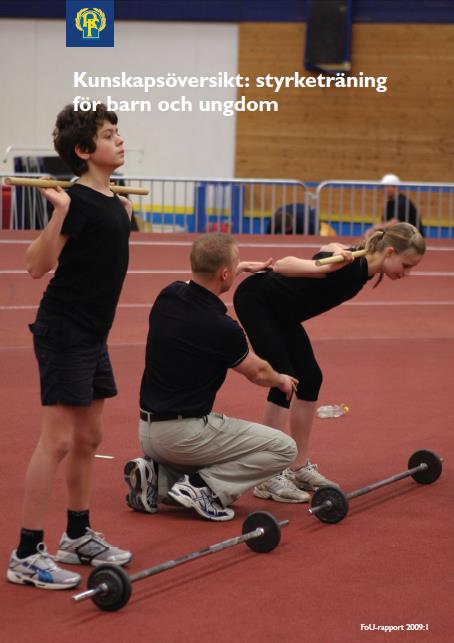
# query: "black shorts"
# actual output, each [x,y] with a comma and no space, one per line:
[74,365]
[278,336]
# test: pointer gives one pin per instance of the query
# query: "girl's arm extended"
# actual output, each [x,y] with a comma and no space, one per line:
[295,267]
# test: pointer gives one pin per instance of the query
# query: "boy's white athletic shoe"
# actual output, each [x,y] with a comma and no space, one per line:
[90,549]
[40,570]
[281,489]
[309,478]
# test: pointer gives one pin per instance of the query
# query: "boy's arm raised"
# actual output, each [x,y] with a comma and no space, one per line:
[43,253]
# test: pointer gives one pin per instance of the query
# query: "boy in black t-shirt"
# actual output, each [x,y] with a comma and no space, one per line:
[88,237]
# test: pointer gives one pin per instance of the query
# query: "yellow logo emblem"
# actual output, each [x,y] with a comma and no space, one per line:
[90,22]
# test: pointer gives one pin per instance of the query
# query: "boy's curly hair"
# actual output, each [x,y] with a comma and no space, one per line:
[79,128]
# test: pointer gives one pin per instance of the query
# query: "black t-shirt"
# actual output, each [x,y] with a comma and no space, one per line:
[93,263]
[306,297]
[403,209]
[191,344]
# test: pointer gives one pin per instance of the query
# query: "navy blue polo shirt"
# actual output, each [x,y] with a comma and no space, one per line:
[191,344]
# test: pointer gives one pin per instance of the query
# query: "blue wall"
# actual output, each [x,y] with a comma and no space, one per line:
[435,11]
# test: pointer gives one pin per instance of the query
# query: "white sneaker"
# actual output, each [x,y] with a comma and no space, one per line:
[202,499]
[282,489]
[40,570]
[141,476]
[90,549]
[309,478]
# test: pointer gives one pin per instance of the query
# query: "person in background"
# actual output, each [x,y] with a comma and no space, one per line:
[398,207]
[291,219]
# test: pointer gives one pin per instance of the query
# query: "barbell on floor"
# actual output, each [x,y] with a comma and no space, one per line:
[331,504]
[109,586]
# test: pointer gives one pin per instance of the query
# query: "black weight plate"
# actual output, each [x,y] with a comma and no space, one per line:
[434,464]
[271,537]
[117,580]
[339,508]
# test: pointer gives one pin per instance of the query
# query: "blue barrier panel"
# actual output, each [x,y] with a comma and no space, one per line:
[238,195]
[200,212]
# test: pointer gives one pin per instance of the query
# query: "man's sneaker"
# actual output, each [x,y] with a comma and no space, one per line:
[282,489]
[40,570]
[202,499]
[90,549]
[309,478]
[141,476]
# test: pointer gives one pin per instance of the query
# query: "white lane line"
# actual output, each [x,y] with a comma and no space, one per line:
[185,271]
[241,244]
[230,304]
[432,274]
[399,303]
[379,338]
[32,307]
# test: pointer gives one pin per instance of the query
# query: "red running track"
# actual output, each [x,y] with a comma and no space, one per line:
[388,354]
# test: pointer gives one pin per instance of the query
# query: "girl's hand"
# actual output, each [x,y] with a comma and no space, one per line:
[347,257]
[126,204]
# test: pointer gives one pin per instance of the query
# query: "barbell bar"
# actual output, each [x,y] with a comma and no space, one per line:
[330,504]
[109,586]
[52,183]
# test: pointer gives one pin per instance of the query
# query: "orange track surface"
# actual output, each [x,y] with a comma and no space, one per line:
[388,354]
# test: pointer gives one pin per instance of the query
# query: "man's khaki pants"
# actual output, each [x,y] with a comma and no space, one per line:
[230,455]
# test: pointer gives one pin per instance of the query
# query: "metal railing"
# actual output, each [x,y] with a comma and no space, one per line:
[253,206]
[350,207]
[240,206]
[22,208]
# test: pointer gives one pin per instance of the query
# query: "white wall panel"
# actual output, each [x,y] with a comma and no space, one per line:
[37,81]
